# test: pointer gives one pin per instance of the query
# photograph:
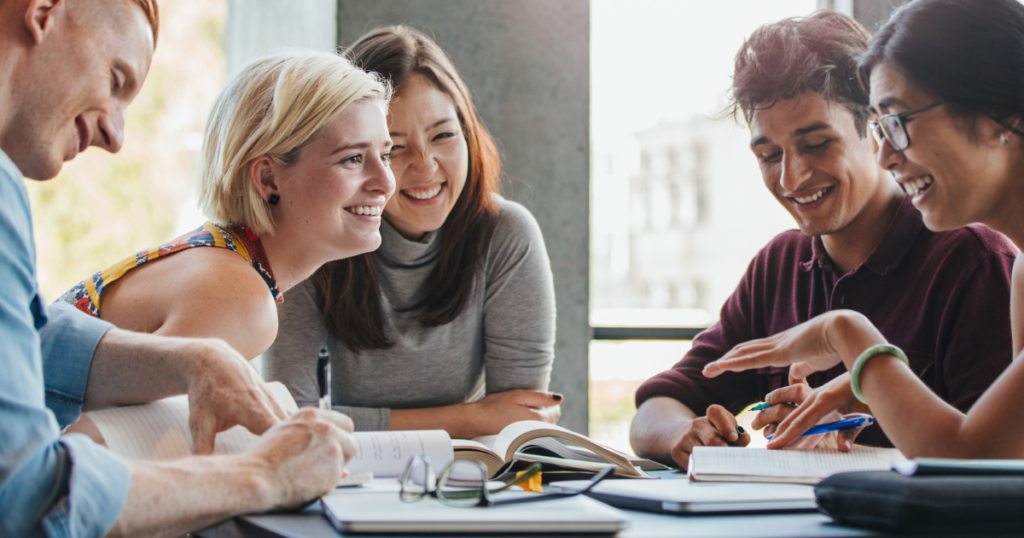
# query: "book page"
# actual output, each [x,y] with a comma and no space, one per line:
[385,453]
[569,451]
[512,433]
[517,434]
[486,440]
[707,462]
[470,444]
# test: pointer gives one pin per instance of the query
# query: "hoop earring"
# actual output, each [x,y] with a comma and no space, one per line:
[274,199]
[1004,139]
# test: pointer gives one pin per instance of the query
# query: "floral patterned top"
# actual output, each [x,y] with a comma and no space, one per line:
[86,294]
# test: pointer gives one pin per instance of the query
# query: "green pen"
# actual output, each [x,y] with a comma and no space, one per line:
[766,406]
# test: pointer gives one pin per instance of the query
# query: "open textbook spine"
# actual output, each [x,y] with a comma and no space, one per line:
[159,431]
[531,440]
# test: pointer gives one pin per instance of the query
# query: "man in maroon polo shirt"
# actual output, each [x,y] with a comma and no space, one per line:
[860,246]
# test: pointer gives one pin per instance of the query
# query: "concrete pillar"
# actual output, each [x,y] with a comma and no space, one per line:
[255,28]
[873,13]
[527,63]
[843,6]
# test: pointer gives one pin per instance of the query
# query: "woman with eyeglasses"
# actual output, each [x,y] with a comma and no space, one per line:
[947,85]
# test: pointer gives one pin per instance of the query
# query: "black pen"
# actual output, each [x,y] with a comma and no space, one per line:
[323,377]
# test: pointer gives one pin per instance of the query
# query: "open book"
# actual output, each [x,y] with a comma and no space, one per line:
[159,431]
[732,464]
[531,440]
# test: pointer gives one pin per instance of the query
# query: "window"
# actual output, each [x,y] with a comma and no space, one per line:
[103,208]
[678,206]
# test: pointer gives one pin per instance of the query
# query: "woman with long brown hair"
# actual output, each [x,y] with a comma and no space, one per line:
[451,323]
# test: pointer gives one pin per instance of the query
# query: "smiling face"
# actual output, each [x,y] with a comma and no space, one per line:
[814,162]
[76,83]
[429,158]
[955,179]
[332,197]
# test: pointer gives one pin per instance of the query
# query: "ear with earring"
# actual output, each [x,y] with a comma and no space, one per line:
[1004,139]
[274,199]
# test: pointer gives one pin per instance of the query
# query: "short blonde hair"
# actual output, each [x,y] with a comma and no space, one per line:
[273,107]
[152,12]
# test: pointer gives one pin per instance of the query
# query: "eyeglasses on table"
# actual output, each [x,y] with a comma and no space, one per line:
[464,483]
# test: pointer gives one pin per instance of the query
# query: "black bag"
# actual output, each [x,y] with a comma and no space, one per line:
[889,501]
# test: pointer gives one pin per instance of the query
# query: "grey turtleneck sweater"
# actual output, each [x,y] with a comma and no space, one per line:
[504,338]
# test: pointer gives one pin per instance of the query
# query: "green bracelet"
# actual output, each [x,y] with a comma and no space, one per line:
[868,354]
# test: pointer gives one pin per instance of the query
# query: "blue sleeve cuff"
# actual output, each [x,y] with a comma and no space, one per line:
[69,340]
[68,487]
[98,489]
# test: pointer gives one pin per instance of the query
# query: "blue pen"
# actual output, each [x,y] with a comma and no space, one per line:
[855,420]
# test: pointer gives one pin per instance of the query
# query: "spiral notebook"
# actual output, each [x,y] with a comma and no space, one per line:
[791,466]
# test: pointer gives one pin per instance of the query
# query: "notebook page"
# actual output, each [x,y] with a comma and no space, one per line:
[761,462]
[385,453]
[159,431]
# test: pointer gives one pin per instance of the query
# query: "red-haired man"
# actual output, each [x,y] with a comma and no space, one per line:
[68,71]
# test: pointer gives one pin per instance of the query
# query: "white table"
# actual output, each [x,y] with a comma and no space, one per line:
[310,523]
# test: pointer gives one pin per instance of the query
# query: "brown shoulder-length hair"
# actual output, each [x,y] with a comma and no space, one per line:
[348,290]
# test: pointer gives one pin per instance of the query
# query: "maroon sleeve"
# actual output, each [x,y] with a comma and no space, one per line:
[686,382]
[979,346]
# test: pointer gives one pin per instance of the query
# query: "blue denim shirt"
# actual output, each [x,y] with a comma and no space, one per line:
[49,485]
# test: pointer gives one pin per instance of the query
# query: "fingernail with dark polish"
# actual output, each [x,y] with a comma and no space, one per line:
[740,430]
[557,397]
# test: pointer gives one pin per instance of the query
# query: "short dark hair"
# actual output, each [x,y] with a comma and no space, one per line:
[968,54]
[818,53]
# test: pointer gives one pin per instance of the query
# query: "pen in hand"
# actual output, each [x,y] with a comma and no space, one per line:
[323,381]
[847,422]
[323,377]
[766,406]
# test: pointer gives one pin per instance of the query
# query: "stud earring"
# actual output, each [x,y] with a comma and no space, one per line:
[1004,139]
[274,199]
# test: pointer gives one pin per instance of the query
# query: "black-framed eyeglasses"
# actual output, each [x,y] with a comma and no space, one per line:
[892,128]
[464,483]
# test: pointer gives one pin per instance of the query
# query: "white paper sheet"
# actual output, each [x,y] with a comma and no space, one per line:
[385,453]
[159,431]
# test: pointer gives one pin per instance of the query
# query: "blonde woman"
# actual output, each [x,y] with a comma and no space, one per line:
[451,323]
[295,174]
